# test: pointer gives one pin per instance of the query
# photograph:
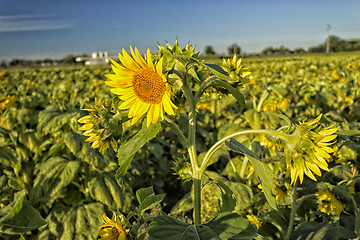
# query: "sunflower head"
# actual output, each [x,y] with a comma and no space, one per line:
[142,86]
[274,103]
[309,150]
[280,195]
[113,229]
[254,220]
[7,102]
[328,203]
[101,127]
[235,70]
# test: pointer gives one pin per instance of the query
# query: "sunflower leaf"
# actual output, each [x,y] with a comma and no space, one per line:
[128,149]
[262,170]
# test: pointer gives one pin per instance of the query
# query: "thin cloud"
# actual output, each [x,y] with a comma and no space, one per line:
[18,23]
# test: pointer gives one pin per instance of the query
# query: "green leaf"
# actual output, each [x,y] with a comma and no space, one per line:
[232,226]
[169,228]
[151,201]
[54,175]
[322,231]
[82,221]
[234,91]
[143,193]
[225,226]
[13,208]
[103,188]
[19,217]
[128,149]
[73,142]
[262,170]
[238,147]
[218,71]
[52,120]
[228,200]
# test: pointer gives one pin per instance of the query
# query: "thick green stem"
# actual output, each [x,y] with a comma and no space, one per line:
[292,214]
[217,145]
[192,147]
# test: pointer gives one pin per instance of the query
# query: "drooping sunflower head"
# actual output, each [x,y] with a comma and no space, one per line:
[142,86]
[311,150]
[113,229]
[100,127]
[328,203]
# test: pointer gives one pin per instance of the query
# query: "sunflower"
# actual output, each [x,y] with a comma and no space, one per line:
[112,229]
[142,86]
[97,126]
[254,220]
[280,195]
[329,203]
[311,150]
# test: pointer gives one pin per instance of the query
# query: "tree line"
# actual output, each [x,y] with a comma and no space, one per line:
[336,45]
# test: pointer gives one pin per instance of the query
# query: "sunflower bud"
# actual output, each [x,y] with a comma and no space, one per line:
[235,70]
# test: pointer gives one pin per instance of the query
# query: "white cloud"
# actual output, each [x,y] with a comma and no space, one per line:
[17,23]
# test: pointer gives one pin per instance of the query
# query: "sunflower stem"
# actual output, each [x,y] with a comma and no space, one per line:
[217,145]
[292,214]
[196,174]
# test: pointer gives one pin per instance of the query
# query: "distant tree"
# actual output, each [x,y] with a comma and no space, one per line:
[3,64]
[209,50]
[299,50]
[69,59]
[15,62]
[234,48]
[268,51]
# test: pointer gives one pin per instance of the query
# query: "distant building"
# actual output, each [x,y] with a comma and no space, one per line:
[97,58]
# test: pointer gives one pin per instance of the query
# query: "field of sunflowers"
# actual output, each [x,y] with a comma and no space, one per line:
[59,177]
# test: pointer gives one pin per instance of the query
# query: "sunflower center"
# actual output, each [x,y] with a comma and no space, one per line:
[148,86]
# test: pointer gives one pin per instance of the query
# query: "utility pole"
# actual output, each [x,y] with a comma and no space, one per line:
[328,39]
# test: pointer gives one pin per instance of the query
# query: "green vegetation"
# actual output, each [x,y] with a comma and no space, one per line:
[49,174]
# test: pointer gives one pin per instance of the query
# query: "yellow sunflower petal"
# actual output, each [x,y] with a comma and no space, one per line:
[149,60]
[138,58]
[128,61]
[321,153]
[328,138]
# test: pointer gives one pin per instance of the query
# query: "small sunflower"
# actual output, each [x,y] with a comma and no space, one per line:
[142,86]
[113,229]
[98,127]
[280,195]
[7,102]
[310,150]
[254,220]
[329,203]
[275,103]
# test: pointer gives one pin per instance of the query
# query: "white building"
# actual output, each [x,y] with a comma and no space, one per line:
[97,58]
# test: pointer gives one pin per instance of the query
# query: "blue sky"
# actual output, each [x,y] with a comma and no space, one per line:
[37,29]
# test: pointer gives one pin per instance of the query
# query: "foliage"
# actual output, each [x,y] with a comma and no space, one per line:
[51,175]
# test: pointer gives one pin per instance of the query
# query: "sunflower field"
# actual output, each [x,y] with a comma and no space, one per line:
[262,148]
